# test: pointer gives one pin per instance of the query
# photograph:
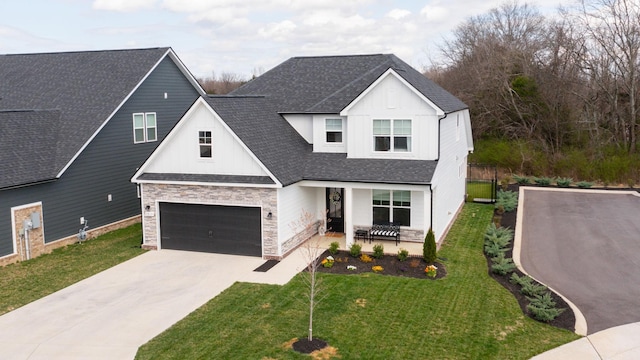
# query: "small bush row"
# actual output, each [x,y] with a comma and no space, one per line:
[496,244]
[356,251]
[546,181]
[506,200]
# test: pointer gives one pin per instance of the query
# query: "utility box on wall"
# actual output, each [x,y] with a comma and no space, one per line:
[35,220]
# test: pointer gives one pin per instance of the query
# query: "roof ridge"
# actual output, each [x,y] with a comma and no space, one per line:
[351,82]
[86,51]
[336,56]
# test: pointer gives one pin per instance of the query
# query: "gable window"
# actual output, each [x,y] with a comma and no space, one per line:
[392,206]
[333,128]
[204,140]
[392,135]
[145,127]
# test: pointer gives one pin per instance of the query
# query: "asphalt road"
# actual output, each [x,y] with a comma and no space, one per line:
[586,245]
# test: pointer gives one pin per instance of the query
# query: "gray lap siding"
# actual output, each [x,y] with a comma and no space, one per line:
[105,166]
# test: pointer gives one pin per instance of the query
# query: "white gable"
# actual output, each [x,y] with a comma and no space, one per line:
[391,97]
[180,152]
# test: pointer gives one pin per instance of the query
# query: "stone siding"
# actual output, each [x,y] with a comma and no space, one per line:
[266,198]
[293,242]
[412,235]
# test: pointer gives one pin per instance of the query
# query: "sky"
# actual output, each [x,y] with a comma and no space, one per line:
[243,37]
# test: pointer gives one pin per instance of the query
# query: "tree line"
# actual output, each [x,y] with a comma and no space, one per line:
[551,93]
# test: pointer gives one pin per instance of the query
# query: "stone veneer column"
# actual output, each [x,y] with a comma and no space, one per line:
[266,198]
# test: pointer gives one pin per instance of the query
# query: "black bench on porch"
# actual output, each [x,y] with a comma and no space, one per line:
[388,230]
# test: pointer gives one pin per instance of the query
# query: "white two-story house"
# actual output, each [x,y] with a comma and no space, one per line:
[343,142]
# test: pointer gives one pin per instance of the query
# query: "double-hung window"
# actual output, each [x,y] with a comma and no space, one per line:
[392,206]
[333,128]
[145,127]
[204,141]
[392,135]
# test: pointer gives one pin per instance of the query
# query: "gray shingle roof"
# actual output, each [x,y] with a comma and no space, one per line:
[337,80]
[27,142]
[290,158]
[207,178]
[83,87]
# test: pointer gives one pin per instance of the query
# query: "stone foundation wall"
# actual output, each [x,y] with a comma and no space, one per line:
[412,235]
[266,198]
[293,242]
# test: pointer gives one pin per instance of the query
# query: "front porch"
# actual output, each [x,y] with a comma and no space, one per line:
[390,247]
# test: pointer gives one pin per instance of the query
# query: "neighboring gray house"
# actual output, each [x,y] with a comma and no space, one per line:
[74,128]
[351,140]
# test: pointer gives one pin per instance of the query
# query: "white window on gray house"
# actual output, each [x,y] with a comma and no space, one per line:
[392,135]
[145,127]
[392,206]
[204,141]
[333,128]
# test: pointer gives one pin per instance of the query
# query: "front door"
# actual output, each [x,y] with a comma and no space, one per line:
[335,220]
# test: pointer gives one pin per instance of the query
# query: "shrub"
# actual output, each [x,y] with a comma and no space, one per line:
[414,263]
[533,289]
[333,247]
[564,182]
[377,268]
[543,308]
[502,265]
[365,258]
[497,235]
[355,250]
[378,251]
[584,184]
[520,280]
[507,199]
[522,180]
[429,247]
[494,250]
[504,183]
[403,254]
[431,271]
[543,181]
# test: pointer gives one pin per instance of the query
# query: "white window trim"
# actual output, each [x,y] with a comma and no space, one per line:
[392,136]
[145,127]
[210,145]
[391,206]
[326,131]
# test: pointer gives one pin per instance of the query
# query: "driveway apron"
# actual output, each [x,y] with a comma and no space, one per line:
[109,315]
[586,245]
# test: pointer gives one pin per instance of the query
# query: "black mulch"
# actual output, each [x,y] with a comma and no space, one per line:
[267,265]
[411,267]
[566,320]
[307,347]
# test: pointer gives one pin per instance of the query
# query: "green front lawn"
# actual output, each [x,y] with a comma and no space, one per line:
[466,315]
[24,282]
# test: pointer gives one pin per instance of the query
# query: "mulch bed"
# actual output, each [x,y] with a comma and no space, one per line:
[566,320]
[411,267]
[307,347]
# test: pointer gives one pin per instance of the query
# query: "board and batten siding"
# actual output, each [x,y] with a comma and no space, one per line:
[106,165]
[320,143]
[449,179]
[391,99]
[181,153]
[293,201]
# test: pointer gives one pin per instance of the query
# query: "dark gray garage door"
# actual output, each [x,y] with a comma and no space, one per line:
[211,228]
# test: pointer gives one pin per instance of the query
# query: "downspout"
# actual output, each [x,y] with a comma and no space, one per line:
[431,212]
[439,137]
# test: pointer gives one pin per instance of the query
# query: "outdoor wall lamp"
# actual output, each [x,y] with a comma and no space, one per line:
[269,215]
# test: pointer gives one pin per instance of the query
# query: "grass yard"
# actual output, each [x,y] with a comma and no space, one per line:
[466,315]
[24,282]
[479,190]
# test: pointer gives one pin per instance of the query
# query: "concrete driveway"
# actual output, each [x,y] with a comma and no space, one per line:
[586,246]
[109,315]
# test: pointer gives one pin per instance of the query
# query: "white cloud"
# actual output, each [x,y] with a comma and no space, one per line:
[398,14]
[123,5]
[278,31]
[435,13]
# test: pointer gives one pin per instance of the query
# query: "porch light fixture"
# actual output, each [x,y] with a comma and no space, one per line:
[269,215]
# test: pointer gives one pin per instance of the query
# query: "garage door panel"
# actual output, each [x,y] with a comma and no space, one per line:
[211,228]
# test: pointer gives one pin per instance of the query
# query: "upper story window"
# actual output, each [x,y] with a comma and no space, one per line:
[392,135]
[392,206]
[204,140]
[333,128]
[145,127]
